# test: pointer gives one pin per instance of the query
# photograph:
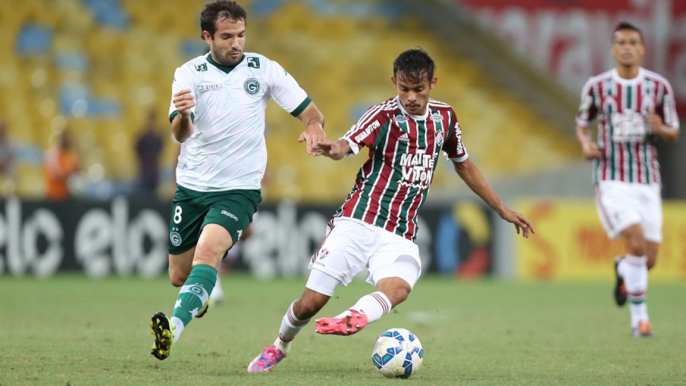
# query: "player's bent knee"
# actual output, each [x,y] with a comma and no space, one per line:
[176,279]
[396,280]
[634,240]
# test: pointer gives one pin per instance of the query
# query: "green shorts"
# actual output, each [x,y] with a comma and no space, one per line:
[192,210]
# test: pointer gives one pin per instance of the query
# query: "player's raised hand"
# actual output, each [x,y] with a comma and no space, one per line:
[590,150]
[313,135]
[654,121]
[184,102]
[520,222]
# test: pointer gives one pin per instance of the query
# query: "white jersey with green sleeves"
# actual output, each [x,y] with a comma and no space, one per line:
[227,150]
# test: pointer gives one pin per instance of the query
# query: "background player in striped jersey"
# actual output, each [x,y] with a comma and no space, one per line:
[377,224]
[633,106]
[217,113]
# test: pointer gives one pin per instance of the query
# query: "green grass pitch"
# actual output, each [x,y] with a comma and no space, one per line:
[70,330]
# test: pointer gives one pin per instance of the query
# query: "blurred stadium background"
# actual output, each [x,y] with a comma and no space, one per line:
[512,70]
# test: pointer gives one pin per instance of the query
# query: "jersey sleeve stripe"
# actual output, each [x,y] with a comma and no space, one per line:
[175,113]
[369,115]
[298,110]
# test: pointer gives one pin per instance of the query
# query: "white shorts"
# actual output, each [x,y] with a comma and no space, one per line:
[350,245]
[622,204]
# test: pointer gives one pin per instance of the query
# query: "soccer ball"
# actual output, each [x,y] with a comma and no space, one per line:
[397,353]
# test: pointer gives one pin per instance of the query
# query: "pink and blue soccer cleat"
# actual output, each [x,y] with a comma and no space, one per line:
[351,322]
[266,361]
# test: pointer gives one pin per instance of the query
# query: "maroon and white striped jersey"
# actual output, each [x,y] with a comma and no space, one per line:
[621,106]
[393,183]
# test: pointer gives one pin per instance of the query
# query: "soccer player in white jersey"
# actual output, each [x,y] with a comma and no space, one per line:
[217,113]
[634,107]
[376,226]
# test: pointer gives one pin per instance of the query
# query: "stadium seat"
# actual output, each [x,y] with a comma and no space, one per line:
[119,57]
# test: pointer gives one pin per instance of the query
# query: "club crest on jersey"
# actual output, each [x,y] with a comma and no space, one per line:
[439,138]
[251,86]
[208,87]
[202,67]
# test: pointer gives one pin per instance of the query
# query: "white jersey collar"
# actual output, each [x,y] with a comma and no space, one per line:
[627,82]
[422,117]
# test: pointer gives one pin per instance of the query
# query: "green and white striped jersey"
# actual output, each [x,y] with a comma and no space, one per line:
[621,106]
[394,182]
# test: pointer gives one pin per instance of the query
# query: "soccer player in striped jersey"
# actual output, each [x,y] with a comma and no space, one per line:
[376,226]
[217,113]
[634,107]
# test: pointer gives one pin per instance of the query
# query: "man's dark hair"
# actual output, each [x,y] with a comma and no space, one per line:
[220,10]
[624,25]
[413,65]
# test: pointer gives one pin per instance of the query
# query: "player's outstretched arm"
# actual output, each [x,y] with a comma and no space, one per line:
[476,181]
[335,149]
[314,132]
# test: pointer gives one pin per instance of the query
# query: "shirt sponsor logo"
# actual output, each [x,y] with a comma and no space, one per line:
[360,137]
[202,67]
[436,117]
[253,62]
[400,118]
[629,126]
[251,86]
[229,214]
[417,169]
[458,134]
[209,87]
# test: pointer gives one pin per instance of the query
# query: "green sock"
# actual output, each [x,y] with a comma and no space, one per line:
[195,292]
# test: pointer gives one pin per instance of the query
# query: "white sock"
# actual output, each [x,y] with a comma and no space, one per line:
[374,306]
[639,313]
[290,327]
[179,327]
[634,270]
